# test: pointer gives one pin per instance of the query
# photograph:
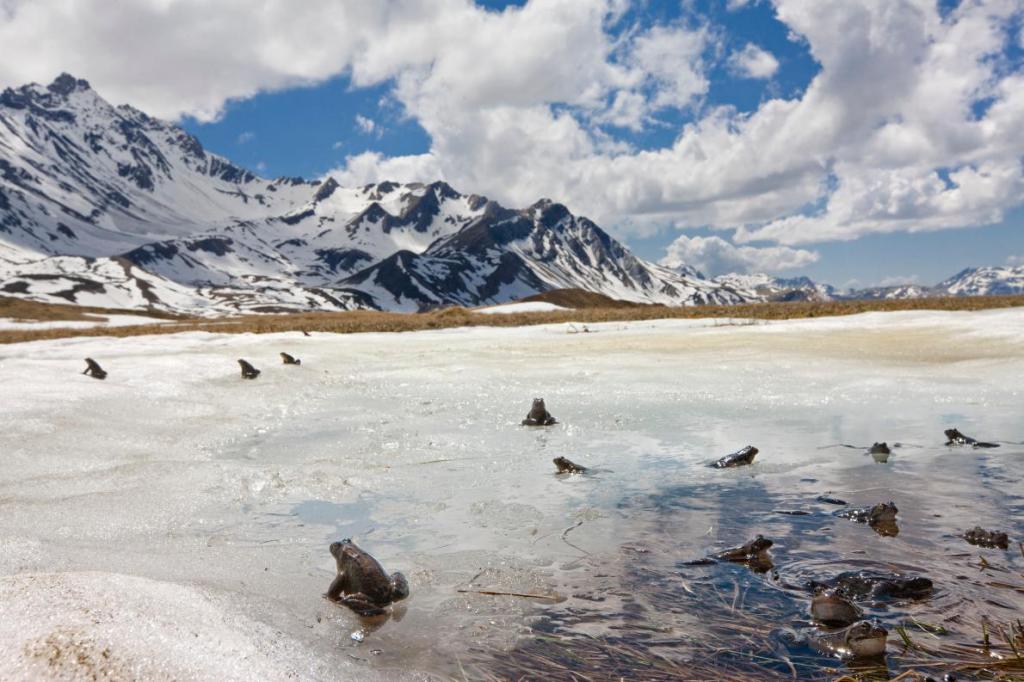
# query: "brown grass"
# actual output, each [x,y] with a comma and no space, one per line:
[20,309]
[579,299]
[371,321]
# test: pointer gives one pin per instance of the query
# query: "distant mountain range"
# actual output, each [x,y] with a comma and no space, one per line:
[104,205]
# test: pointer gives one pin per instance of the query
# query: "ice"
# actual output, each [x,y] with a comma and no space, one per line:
[190,512]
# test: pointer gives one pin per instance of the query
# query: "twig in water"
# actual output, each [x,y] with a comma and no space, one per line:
[498,593]
[567,531]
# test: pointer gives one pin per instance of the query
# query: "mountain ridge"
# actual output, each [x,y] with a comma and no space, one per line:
[104,205]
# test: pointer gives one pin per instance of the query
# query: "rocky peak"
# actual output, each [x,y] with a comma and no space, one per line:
[65,84]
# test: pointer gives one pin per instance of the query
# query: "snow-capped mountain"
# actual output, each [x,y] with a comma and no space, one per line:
[990,281]
[893,292]
[987,281]
[107,206]
[768,288]
[103,205]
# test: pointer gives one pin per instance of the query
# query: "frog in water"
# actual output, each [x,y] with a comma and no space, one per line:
[539,415]
[567,466]
[870,585]
[859,641]
[832,607]
[955,438]
[987,538]
[881,517]
[738,458]
[361,583]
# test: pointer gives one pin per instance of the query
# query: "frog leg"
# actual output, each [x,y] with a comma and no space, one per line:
[337,587]
[362,605]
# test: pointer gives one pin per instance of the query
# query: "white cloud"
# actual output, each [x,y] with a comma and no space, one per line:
[733,5]
[753,62]
[672,59]
[246,136]
[365,124]
[368,167]
[715,256]
[516,103]
[1015,261]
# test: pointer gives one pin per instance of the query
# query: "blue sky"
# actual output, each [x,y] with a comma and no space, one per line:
[855,141]
[311,130]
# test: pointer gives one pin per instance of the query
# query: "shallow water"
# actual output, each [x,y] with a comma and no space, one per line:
[411,445]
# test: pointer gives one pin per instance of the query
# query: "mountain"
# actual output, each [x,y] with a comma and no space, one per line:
[989,281]
[767,288]
[898,291]
[105,205]
[986,281]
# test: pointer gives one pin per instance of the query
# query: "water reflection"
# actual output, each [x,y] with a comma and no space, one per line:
[656,603]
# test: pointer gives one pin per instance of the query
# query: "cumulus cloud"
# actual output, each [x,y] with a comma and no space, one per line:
[715,256]
[246,136]
[753,62]
[518,104]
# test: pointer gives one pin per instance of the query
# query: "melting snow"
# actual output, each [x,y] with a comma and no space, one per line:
[173,520]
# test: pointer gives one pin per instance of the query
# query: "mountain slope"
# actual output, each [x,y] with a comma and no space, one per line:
[104,205]
[139,200]
[989,281]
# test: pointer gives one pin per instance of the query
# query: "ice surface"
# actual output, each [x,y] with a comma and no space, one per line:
[173,520]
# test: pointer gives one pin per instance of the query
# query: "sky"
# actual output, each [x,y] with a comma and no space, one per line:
[859,142]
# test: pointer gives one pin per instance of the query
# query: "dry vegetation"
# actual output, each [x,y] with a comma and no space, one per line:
[20,309]
[370,321]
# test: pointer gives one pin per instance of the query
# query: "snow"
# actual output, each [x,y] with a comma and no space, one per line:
[89,625]
[523,307]
[177,517]
[9,324]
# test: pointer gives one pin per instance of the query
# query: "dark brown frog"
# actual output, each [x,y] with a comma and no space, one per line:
[538,415]
[248,371]
[738,458]
[361,583]
[834,608]
[955,438]
[871,585]
[883,512]
[863,640]
[94,370]
[987,538]
[566,466]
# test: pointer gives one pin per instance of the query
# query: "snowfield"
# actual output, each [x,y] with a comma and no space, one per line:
[524,307]
[173,520]
[8,324]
